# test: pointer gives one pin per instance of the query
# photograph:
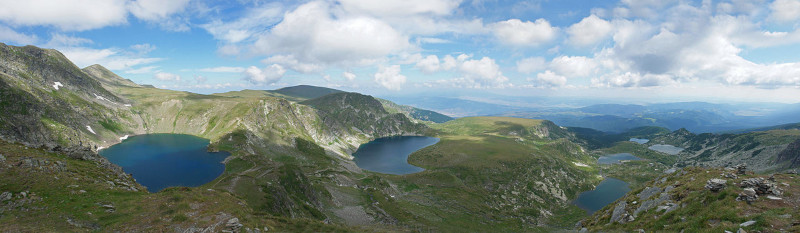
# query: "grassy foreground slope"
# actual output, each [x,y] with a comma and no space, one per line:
[680,202]
[44,191]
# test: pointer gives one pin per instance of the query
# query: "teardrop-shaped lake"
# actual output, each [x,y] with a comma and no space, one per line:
[158,161]
[390,154]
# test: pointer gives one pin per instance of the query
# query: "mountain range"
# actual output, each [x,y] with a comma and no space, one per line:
[291,167]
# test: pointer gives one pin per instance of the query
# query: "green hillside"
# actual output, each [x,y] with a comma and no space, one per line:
[679,202]
[306,92]
[290,165]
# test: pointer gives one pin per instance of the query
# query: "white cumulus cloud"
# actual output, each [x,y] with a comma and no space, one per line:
[268,75]
[429,64]
[311,34]
[69,15]
[785,10]
[530,65]
[349,76]
[400,7]
[576,66]
[518,33]
[589,31]
[390,78]
[549,79]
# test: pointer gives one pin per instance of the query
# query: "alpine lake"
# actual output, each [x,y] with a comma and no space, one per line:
[389,155]
[158,161]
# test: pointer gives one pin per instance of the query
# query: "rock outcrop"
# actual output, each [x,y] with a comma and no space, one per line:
[761,186]
[714,185]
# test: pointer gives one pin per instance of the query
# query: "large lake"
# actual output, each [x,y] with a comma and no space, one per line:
[158,161]
[616,158]
[608,191]
[389,155]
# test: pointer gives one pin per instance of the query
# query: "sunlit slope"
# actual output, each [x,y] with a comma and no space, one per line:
[62,193]
[495,173]
[762,151]
[291,160]
[46,100]
[680,202]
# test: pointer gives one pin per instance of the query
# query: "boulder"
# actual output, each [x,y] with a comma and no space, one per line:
[747,224]
[761,186]
[715,184]
[619,212]
[232,225]
[748,195]
[648,192]
[741,169]
[109,208]
[5,196]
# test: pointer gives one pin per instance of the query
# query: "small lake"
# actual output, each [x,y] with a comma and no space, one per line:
[608,191]
[667,149]
[389,155]
[158,161]
[639,140]
[616,158]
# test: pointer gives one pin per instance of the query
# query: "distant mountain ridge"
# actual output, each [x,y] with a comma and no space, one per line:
[306,91]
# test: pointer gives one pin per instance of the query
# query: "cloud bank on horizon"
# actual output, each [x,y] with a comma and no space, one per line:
[570,46]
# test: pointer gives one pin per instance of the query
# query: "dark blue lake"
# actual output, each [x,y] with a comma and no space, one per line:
[158,161]
[390,155]
[616,158]
[608,191]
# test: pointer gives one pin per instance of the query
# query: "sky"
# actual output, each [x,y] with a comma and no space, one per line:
[733,50]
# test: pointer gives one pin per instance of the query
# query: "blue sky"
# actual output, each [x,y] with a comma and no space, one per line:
[678,50]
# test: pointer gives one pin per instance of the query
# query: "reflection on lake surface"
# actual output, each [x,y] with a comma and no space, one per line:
[390,155]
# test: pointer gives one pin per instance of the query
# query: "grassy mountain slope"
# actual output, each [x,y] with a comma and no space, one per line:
[515,172]
[49,101]
[306,92]
[599,139]
[679,202]
[66,194]
[290,161]
[784,126]
[348,111]
[415,113]
[108,78]
[759,150]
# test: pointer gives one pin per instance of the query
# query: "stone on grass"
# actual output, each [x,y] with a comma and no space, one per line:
[715,184]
